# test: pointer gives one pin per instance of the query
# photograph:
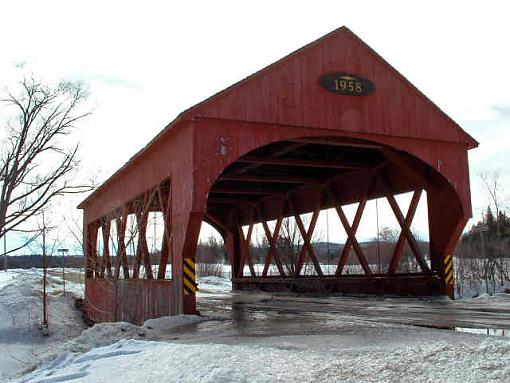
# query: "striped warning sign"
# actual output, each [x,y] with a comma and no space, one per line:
[190,285]
[448,269]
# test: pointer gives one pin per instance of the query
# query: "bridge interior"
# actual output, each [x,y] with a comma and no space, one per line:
[289,178]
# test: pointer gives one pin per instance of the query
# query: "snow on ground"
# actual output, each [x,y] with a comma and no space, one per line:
[475,290]
[479,360]
[5,278]
[204,349]
[21,343]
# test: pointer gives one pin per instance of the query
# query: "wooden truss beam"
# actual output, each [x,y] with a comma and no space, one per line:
[307,237]
[165,203]
[229,201]
[246,191]
[307,246]
[245,251]
[396,159]
[273,253]
[406,231]
[268,179]
[92,260]
[328,164]
[122,260]
[318,141]
[289,148]
[106,263]
[399,247]
[351,234]
[405,226]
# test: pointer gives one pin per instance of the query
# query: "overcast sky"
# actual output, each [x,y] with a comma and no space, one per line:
[145,62]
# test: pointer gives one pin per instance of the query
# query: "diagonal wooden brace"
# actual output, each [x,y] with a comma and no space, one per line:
[399,248]
[272,253]
[122,260]
[107,262]
[165,205]
[307,246]
[245,251]
[405,226]
[351,239]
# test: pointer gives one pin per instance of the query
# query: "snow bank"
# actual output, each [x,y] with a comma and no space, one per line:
[472,289]
[102,334]
[135,360]
[21,343]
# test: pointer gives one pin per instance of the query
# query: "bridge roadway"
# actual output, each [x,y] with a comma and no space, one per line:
[248,314]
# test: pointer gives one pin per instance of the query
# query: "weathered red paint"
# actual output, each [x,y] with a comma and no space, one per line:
[127,300]
[352,284]
[411,144]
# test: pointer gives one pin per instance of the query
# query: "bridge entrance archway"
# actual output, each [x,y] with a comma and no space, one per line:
[287,179]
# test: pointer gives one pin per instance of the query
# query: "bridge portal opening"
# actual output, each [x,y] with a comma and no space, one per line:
[273,205]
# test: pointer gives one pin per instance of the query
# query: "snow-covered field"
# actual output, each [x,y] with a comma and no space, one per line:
[287,360]
[243,338]
[21,343]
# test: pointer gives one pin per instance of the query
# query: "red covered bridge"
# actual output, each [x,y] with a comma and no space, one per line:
[330,124]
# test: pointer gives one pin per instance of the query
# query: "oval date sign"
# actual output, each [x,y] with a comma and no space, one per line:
[346,84]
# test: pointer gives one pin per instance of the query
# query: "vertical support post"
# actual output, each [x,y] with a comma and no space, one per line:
[107,262]
[186,230]
[86,247]
[233,249]
[446,222]
[138,254]
[121,245]
[165,204]
[142,243]
[91,251]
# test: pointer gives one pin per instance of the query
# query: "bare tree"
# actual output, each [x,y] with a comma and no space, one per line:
[44,228]
[386,240]
[38,158]
[491,181]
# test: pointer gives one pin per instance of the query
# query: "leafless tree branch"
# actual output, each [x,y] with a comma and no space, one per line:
[37,161]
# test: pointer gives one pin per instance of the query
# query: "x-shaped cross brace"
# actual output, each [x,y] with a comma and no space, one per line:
[405,233]
[245,250]
[272,253]
[307,246]
[351,239]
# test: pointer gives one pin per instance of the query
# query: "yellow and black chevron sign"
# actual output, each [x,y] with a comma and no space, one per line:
[448,269]
[190,284]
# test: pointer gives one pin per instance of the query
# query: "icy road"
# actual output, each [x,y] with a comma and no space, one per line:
[259,314]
